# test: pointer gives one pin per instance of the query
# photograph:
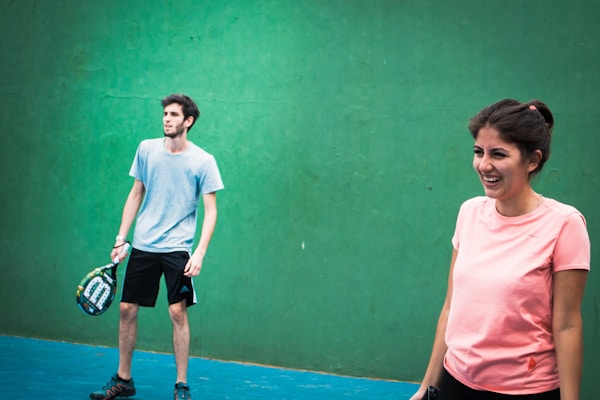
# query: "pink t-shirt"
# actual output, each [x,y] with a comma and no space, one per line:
[499,332]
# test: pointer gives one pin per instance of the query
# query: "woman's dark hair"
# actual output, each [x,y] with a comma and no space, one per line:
[527,125]
[189,108]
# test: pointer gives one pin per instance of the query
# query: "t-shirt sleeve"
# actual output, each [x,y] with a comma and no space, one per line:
[136,166]
[459,223]
[211,177]
[572,249]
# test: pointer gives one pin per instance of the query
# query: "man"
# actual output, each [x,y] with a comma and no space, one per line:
[170,175]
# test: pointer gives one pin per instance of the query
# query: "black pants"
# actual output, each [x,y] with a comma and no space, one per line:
[451,389]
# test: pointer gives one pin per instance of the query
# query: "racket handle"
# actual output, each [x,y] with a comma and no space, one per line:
[125,250]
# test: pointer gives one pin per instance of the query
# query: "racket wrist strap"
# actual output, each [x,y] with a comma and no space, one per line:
[117,246]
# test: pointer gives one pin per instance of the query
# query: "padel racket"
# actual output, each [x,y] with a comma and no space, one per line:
[96,291]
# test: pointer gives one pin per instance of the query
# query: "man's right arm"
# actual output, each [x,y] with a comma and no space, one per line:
[130,210]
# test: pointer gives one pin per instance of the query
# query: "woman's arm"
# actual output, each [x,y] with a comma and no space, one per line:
[567,328]
[435,366]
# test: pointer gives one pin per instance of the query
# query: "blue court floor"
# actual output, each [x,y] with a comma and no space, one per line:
[40,369]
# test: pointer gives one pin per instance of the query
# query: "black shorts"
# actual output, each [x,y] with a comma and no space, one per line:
[143,273]
[451,389]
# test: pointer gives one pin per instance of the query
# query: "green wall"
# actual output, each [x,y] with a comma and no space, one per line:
[340,131]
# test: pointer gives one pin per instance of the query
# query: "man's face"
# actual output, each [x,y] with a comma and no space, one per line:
[173,122]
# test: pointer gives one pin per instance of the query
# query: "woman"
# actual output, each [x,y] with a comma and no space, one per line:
[510,326]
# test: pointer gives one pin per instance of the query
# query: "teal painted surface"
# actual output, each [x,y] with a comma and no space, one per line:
[340,131]
[31,366]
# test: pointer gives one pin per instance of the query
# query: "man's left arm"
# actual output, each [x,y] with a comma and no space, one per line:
[194,264]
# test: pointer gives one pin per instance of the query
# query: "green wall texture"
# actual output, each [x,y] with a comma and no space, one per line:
[340,130]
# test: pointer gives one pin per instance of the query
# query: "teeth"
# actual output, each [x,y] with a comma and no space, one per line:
[490,179]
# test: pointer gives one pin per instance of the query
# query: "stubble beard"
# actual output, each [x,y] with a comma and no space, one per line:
[178,132]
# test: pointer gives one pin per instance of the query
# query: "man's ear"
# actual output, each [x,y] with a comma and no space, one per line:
[188,122]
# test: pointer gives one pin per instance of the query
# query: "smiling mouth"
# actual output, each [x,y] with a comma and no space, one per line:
[490,179]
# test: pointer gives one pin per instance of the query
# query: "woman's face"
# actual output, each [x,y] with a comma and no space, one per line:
[503,171]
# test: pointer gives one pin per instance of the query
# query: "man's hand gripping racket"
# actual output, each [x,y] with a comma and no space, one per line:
[96,291]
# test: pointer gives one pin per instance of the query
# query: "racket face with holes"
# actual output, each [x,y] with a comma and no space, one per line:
[96,291]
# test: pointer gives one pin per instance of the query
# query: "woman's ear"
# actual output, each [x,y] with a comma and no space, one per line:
[534,160]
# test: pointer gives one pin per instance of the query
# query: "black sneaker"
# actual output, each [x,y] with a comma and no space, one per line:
[114,388]
[182,391]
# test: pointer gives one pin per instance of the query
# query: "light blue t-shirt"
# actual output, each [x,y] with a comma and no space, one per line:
[174,184]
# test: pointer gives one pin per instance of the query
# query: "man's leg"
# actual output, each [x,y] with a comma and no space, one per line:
[127,338]
[181,338]
[121,384]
